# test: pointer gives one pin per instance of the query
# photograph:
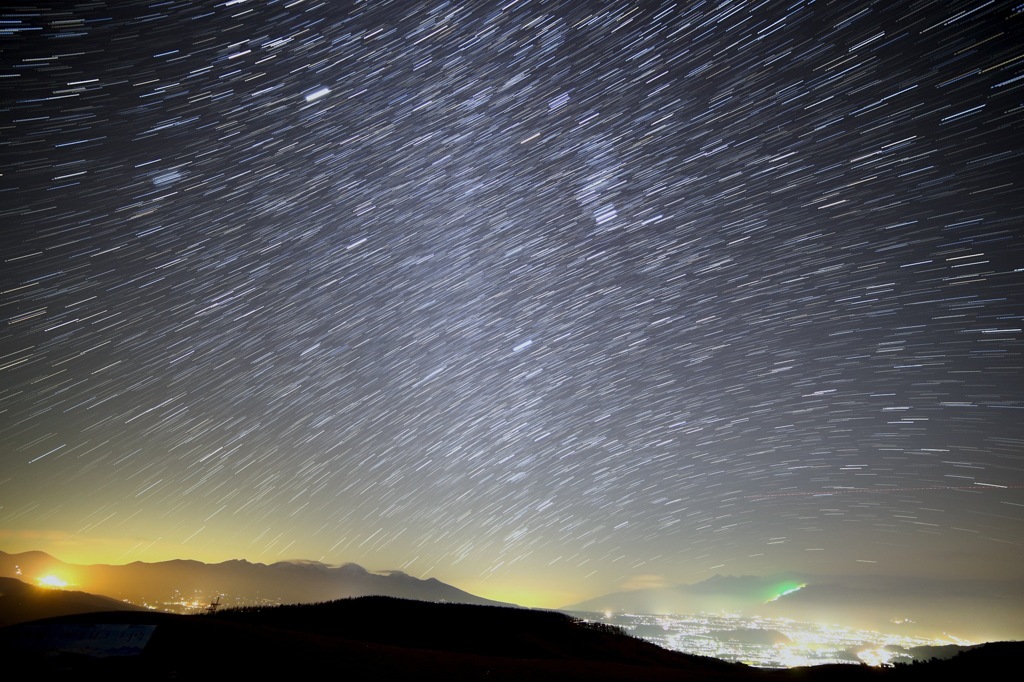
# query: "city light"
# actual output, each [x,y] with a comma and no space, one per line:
[52,581]
[771,642]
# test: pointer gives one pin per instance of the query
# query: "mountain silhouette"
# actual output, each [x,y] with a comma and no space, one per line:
[717,593]
[240,582]
[20,602]
[971,610]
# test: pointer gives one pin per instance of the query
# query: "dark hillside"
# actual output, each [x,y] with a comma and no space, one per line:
[489,631]
[21,602]
[368,638]
[383,638]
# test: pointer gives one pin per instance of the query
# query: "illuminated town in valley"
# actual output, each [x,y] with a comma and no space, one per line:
[772,642]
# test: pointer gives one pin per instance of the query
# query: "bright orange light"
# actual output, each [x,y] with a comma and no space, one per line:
[52,581]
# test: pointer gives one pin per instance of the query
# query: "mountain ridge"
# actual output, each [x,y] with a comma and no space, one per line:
[978,611]
[170,584]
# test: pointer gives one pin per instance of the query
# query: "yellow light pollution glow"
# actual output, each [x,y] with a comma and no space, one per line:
[52,581]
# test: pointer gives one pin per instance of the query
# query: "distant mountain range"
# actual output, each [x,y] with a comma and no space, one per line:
[718,593]
[975,611]
[971,610]
[239,582]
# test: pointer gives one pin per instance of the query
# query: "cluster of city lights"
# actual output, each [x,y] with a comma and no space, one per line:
[785,643]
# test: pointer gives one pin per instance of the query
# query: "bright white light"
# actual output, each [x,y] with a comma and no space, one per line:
[876,657]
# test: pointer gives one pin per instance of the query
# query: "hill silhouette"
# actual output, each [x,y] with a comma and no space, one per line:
[370,637]
[489,631]
[386,638]
[21,602]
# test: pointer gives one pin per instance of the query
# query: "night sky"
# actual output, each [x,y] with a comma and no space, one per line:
[542,299]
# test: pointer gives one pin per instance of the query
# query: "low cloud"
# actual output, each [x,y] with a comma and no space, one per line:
[644,581]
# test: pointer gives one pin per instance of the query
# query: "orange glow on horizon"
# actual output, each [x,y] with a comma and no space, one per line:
[523,595]
[52,582]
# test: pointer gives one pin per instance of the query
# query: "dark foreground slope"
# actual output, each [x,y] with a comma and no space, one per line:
[367,638]
[381,638]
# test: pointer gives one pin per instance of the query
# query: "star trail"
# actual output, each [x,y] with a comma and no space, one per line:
[535,296]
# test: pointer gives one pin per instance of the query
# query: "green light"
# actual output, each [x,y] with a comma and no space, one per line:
[781,590]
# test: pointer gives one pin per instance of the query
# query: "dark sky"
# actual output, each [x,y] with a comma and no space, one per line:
[538,298]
